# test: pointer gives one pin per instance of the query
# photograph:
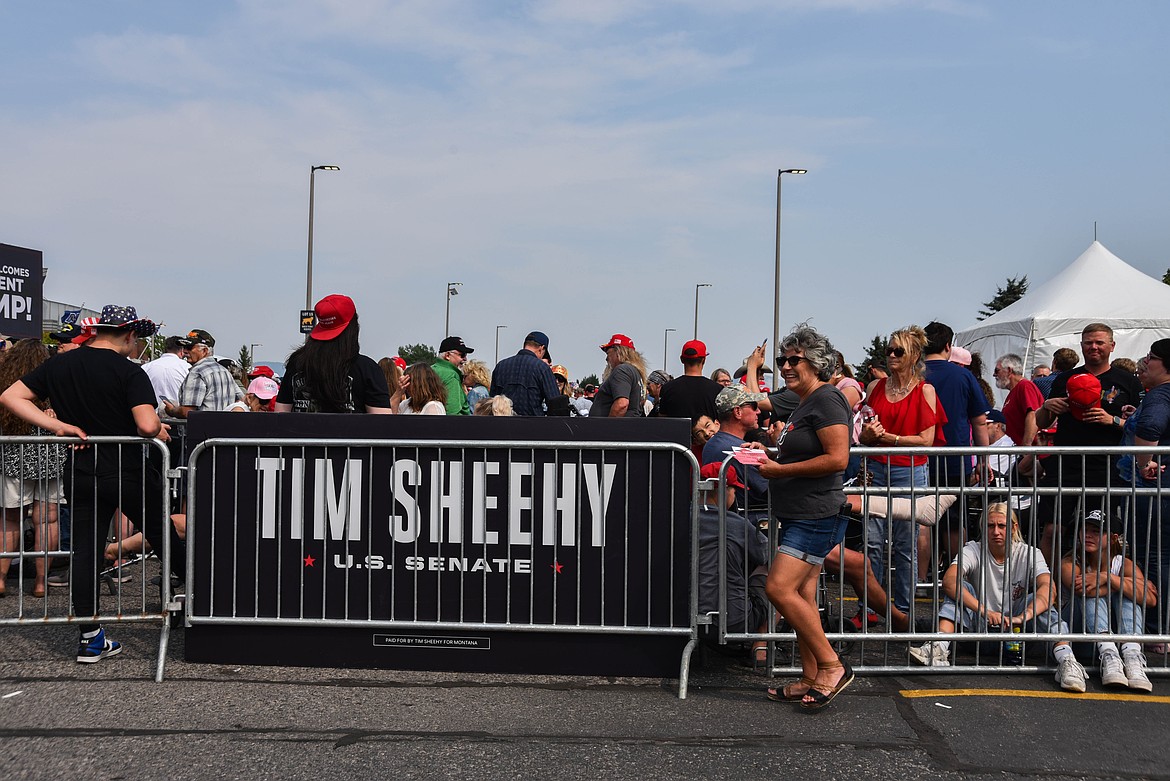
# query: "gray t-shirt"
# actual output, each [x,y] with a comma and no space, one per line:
[1021,568]
[807,498]
[623,382]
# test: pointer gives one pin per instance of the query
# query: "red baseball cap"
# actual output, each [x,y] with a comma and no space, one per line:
[711,472]
[763,385]
[619,340]
[694,349]
[334,313]
[400,362]
[1084,394]
[261,371]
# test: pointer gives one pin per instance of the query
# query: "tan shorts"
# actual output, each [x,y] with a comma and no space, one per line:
[18,493]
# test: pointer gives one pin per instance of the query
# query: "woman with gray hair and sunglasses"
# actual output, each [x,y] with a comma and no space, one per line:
[807,499]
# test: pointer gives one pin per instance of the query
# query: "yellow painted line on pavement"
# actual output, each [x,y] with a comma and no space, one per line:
[1052,695]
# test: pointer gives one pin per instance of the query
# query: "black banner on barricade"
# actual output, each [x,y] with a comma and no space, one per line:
[441,535]
[21,283]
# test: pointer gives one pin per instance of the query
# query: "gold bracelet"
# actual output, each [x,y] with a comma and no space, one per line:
[897,439]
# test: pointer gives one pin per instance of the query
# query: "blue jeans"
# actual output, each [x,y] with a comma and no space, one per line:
[1048,621]
[902,536]
[1151,552]
[1101,615]
[853,468]
[64,525]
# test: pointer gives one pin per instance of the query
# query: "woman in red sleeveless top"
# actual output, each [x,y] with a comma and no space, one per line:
[907,415]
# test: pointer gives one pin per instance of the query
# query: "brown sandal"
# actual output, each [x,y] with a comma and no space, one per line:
[820,697]
[783,695]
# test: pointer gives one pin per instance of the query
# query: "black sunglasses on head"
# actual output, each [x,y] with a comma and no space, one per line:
[897,352]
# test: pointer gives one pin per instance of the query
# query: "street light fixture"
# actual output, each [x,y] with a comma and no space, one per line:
[498,327]
[665,336]
[776,300]
[701,284]
[309,276]
[451,291]
[252,353]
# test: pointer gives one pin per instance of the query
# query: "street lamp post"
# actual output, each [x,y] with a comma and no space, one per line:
[776,300]
[451,291]
[252,353]
[665,336]
[498,327]
[309,275]
[701,284]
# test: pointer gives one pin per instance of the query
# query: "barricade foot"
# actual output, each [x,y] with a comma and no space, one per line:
[684,669]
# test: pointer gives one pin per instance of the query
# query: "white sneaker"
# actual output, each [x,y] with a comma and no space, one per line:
[931,654]
[1111,672]
[1135,671]
[1071,676]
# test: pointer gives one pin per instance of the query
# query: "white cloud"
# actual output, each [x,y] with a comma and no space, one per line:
[578,166]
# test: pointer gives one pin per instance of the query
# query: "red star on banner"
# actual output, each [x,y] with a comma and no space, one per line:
[557,567]
[309,561]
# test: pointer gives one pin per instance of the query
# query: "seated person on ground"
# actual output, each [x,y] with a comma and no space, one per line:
[1002,583]
[747,559]
[1103,591]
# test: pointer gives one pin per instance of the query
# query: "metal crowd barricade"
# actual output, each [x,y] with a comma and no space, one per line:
[1136,514]
[292,502]
[132,597]
[177,445]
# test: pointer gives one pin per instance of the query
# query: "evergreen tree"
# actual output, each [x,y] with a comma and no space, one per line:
[590,379]
[875,355]
[417,353]
[1166,277]
[1005,296]
[245,360]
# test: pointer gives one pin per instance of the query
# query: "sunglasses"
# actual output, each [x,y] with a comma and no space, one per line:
[897,352]
[1152,357]
[791,361]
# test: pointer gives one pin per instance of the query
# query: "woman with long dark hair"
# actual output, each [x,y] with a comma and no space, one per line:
[327,373]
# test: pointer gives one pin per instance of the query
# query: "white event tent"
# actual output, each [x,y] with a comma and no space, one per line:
[1097,287]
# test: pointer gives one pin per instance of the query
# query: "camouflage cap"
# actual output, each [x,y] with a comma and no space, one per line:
[735,396]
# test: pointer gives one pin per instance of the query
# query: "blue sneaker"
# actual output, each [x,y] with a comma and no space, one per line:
[94,649]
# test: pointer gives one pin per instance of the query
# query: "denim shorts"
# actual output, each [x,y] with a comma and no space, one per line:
[811,540]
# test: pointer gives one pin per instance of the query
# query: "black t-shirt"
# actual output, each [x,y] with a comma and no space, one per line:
[94,389]
[689,396]
[1118,388]
[366,384]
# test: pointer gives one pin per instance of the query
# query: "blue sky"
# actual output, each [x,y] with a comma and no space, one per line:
[578,166]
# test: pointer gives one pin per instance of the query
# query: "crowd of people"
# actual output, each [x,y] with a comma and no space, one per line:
[994,578]
[813,431]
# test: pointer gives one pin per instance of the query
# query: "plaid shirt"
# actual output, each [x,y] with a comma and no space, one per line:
[209,387]
[527,381]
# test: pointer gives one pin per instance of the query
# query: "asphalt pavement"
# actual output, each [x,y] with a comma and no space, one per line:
[110,720]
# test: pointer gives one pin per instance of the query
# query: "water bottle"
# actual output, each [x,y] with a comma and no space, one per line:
[1013,650]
